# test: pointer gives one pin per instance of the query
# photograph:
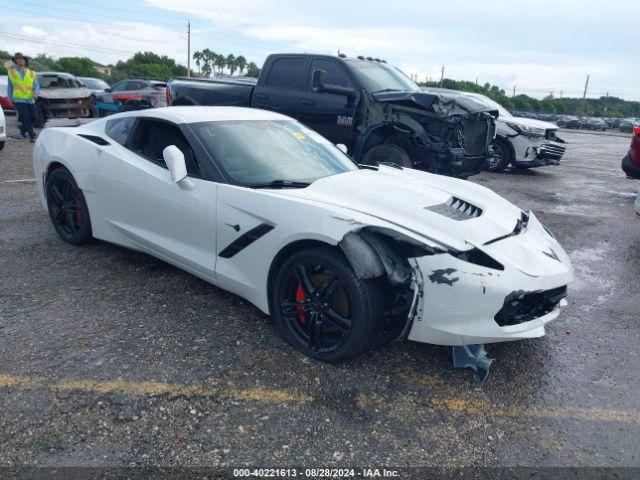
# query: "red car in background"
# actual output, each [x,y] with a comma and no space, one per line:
[631,162]
[5,103]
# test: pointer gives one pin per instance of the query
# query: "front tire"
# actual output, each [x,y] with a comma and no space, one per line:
[323,309]
[67,207]
[387,152]
[502,157]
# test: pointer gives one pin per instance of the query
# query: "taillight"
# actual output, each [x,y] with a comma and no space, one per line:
[636,131]
[168,95]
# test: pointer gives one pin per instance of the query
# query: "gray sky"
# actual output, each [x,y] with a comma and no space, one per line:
[539,46]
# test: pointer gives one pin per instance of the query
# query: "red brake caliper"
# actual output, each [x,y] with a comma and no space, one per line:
[79,212]
[300,296]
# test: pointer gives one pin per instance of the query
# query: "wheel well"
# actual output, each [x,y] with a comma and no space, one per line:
[284,253]
[52,166]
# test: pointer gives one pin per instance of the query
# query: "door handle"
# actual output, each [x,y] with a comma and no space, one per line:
[308,102]
[262,96]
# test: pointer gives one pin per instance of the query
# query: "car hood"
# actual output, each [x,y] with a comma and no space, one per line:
[61,93]
[530,122]
[444,104]
[417,201]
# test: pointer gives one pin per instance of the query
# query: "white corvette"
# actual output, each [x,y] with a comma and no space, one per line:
[256,203]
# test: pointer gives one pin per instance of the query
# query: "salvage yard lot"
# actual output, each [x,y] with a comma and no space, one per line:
[112,358]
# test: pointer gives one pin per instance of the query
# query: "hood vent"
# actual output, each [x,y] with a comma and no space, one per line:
[456,209]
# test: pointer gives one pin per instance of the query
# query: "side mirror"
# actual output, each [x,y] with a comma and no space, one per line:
[107,90]
[318,80]
[342,147]
[174,159]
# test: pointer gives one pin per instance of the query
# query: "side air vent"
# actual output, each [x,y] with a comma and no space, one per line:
[94,139]
[456,209]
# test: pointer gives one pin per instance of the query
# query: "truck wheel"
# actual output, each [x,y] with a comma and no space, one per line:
[387,152]
[501,158]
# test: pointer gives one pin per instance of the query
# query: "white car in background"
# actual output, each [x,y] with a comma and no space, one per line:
[520,142]
[258,204]
[3,129]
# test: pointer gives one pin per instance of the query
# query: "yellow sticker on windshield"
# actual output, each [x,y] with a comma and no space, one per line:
[299,135]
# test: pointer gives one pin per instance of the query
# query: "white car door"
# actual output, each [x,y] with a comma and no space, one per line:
[151,212]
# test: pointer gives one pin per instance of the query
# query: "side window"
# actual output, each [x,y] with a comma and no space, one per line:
[135,85]
[119,129]
[287,73]
[118,87]
[336,74]
[153,136]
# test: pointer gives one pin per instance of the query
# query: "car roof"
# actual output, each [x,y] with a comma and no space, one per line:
[206,114]
[59,74]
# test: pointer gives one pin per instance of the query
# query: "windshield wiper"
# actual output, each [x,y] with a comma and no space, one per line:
[279,184]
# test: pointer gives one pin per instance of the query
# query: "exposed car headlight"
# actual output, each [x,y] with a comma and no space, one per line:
[526,130]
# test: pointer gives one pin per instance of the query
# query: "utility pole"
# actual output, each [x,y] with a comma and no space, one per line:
[514,91]
[442,76]
[188,48]
[606,100]
[476,80]
[561,93]
[586,85]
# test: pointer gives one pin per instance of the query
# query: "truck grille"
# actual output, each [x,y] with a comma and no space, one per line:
[523,306]
[551,151]
[475,134]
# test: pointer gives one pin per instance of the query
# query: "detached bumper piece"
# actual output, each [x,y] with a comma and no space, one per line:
[474,357]
[523,306]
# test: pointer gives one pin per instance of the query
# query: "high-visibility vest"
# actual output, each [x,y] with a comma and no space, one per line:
[22,87]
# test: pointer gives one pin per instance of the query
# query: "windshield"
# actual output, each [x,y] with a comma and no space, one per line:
[376,77]
[95,83]
[55,81]
[263,151]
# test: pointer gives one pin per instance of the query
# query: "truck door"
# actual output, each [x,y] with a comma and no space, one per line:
[329,114]
[283,84]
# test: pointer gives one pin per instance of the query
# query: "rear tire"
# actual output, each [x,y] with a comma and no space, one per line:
[387,152]
[502,157]
[323,309]
[1,145]
[67,207]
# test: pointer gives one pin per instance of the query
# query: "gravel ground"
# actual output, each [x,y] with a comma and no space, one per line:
[112,358]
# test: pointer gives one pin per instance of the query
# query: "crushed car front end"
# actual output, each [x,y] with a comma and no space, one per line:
[449,134]
[506,290]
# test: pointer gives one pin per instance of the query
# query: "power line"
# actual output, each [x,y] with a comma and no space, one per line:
[69,45]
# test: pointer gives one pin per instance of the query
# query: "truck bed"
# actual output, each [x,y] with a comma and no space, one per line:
[231,92]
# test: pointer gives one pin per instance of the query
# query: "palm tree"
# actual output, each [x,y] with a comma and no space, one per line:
[220,62]
[241,62]
[231,63]
[207,58]
[197,56]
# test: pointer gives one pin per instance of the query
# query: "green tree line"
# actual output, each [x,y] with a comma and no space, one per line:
[589,107]
[209,62]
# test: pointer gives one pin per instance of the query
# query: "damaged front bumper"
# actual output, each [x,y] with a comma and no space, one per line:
[462,303]
[536,151]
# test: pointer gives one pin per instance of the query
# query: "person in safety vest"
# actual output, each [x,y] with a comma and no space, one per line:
[23,91]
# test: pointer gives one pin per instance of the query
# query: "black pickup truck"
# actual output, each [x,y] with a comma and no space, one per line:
[367,105]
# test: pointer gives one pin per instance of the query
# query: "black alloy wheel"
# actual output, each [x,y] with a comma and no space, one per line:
[322,308]
[67,207]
